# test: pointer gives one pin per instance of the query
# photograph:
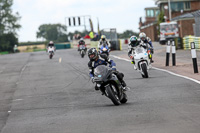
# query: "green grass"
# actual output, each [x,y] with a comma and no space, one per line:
[35,50]
[2,53]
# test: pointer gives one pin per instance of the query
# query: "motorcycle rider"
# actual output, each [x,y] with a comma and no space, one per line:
[96,60]
[134,43]
[146,39]
[51,44]
[103,40]
[81,42]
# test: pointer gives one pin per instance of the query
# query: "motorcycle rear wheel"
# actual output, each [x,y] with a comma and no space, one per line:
[124,99]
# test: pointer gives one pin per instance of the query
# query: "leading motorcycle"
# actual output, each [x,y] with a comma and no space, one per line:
[51,51]
[109,84]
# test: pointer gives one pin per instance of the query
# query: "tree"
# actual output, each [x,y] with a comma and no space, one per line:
[8,26]
[7,42]
[8,20]
[160,20]
[54,32]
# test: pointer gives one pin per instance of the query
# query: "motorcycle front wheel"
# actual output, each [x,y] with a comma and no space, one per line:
[113,94]
[144,70]
[50,56]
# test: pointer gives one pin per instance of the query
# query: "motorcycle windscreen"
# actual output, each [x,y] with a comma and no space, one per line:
[139,50]
[101,72]
[82,47]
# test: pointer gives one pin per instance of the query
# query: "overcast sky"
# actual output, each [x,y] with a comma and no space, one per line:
[119,14]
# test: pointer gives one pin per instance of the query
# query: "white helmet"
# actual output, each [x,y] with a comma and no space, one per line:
[81,39]
[142,36]
[51,42]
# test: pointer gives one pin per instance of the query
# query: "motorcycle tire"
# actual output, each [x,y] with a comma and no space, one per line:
[82,54]
[144,69]
[113,94]
[50,56]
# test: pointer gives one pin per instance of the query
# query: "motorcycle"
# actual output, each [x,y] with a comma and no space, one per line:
[109,85]
[104,50]
[142,61]
[82,50]
[51,52]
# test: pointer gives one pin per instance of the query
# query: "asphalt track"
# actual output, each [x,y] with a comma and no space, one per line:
[39,95]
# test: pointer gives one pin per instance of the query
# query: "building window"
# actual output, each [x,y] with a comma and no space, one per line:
[150,13]
[187,5]
[157,12]
[178,6]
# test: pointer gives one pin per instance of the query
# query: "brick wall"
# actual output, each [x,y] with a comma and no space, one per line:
[195,5]
[186,27]
[151,32]
[149,20]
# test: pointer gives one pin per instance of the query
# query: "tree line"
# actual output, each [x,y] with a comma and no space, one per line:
[8,26]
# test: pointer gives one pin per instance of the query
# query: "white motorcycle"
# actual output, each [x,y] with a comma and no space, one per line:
[51,52]
[142,61]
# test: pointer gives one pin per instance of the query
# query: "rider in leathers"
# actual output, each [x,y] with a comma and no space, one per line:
[102,41]
[96,60]
[143,37]
[82,42]
[134,43]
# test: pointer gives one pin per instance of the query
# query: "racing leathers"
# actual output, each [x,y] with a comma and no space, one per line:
[131,49]
[81,42]
[101,42]
[148,40]
[104,60]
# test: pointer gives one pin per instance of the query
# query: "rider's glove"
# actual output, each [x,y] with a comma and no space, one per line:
[114,68]
[152,51]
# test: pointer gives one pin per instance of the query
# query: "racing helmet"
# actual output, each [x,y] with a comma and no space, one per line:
[142,36]
[92,54]
[103,37]
[134,42]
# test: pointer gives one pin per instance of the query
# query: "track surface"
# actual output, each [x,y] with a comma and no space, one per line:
[39,95]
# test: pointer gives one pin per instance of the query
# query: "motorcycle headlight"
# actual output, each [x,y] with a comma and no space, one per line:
[98,85]
[104,49]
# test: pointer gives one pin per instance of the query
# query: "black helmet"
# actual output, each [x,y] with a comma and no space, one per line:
[133,41]
[92,51]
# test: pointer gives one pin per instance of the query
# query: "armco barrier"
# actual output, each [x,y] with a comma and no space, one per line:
[187,41]
[63,46]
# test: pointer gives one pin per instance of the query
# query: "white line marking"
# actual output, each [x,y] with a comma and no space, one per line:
[18,100]
[60,60]
[9,111]
[178,75]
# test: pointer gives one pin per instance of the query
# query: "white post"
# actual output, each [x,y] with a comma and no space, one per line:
[194,57]
[168,53]
[173,53]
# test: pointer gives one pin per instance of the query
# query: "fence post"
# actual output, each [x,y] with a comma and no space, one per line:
[173,53]
[194,57]
[167,53]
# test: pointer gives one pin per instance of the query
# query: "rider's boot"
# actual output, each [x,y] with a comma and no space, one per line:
[125,87]
[133,62]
